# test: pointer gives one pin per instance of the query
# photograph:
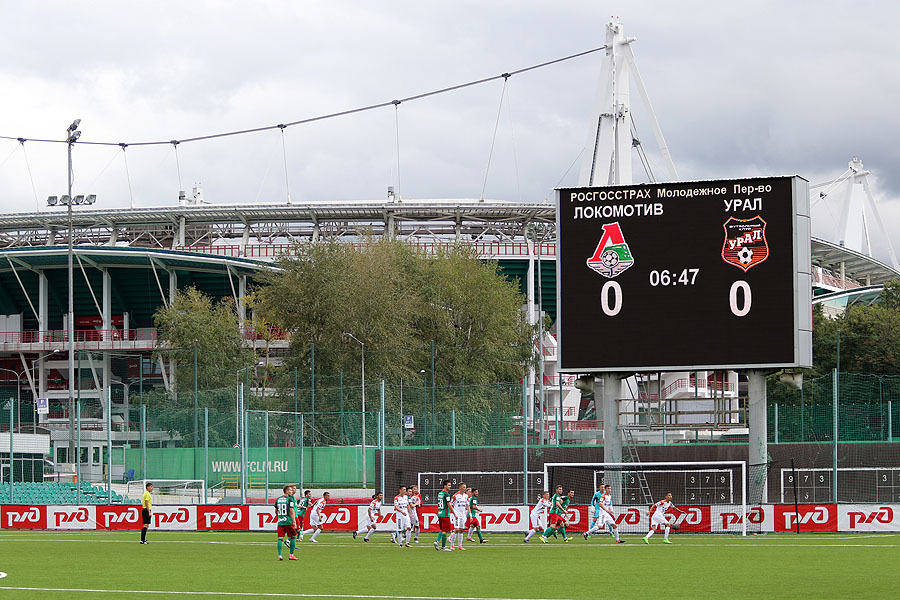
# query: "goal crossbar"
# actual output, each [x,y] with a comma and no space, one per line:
[689,464]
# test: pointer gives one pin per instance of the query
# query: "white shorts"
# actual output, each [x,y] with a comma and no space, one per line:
[314,520]
[603,519]
[370,522]
[402,521]
[458,520]
[537,522]
[414,518]
[658,520]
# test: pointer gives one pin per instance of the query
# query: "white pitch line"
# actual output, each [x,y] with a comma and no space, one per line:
[254,594]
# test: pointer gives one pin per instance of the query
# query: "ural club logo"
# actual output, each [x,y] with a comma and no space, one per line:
[745,243]
[612,256]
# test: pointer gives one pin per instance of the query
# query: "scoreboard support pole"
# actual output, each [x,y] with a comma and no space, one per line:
[756,421]
[612,437]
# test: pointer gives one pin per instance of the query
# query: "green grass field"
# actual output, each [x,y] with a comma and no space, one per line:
[72,565]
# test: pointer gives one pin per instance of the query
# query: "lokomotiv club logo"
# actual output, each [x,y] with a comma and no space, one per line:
[745,243]
[612,256]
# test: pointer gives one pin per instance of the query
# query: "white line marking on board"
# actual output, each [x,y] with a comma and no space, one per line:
[253,594]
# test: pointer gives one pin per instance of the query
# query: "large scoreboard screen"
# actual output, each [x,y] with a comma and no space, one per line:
[684,276]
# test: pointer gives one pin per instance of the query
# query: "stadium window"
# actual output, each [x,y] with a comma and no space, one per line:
[96,460]
[62,453]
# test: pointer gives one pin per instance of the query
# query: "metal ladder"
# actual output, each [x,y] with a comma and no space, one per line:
[631,456]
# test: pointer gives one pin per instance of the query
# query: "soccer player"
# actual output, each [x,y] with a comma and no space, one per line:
[317,517]
[658,517]
[401,512]
[603,514]
[415,501]
[443,502]
[146,505]
[284,510]
[543,503]
[460,504]
[301,506]
[372,514]
[472,522]
[559,505]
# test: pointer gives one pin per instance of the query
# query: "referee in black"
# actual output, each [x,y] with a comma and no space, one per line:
[147,504]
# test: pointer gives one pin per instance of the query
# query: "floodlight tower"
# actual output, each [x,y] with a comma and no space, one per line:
[72,135]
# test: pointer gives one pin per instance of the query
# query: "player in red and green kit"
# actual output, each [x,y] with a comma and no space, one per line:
[302,507]
[443,502]
[284,510]
[558,509]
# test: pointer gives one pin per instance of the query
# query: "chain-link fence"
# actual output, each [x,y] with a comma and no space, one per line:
[240,443]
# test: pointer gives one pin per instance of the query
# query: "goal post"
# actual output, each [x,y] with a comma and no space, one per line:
[715,492]
[170,491]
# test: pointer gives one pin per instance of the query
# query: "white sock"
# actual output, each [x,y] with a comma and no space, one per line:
[665,537]
[650,534]
[315,534]
[470,532]
[368,535]
[408,535]
[530,534]
[593,529]
[616,531]
[304,532]
[416,529]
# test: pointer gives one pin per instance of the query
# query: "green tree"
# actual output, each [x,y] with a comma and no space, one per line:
[194,320]
[397,302]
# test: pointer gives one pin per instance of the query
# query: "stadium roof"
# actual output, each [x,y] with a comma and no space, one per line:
[855,265]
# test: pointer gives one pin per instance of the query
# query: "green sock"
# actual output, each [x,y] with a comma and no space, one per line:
[564,532]
[438,538]
[478,531]
[443,537]
[280,546]
[293,545]
[548,532]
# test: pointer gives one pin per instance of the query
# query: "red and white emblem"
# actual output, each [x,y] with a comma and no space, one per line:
[745,243]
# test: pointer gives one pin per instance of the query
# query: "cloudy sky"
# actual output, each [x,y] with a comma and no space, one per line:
[740,89]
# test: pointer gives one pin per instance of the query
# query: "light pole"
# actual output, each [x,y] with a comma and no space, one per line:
[72,135]
[362,347]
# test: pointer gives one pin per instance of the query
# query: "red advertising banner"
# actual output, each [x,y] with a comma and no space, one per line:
[223,518]
[119,517]
[812,517]
[23,517]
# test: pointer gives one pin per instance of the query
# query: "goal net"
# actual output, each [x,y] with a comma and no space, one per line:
[712,495]
[170,491]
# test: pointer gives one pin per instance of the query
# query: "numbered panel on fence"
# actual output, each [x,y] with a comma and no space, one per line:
[657,267]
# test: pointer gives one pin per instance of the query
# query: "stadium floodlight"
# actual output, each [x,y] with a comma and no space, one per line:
[52,200]
[79,199]
[65,199]
[74,125]
[90,198]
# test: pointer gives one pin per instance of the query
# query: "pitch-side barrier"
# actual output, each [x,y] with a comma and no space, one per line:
[496,519]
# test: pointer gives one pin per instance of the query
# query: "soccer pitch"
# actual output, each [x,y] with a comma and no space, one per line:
[72,565]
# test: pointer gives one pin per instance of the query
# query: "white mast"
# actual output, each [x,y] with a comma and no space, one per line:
[610,142]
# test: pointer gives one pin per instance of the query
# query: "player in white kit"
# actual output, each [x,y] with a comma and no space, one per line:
[372,514]
[459,504]
[604,516]
[401,512]
[317,517]
[539,510]
[658,517]
[415,501]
